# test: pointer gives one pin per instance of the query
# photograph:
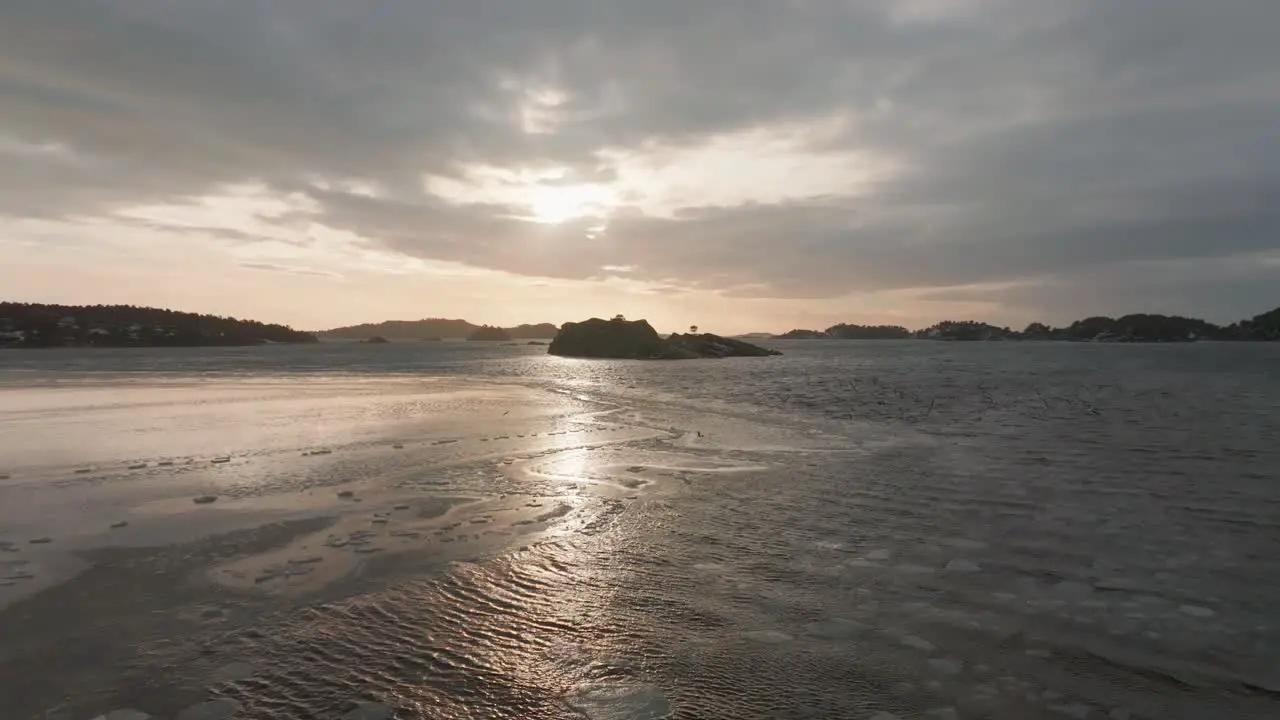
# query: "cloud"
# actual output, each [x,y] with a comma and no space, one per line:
[781,150]
[272,267]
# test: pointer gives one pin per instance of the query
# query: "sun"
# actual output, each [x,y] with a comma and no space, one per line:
[555,204]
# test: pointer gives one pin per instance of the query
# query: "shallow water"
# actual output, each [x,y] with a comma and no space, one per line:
[995,530]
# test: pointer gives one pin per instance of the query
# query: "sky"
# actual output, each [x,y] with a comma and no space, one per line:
[742,165]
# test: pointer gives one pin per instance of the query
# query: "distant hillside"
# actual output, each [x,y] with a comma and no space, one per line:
[1138,327]
[845,331]
[31,325]
[434,329]
[489,333]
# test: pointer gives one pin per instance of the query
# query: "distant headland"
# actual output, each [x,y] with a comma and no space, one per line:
[33,325]
[433,329]
[1143,328]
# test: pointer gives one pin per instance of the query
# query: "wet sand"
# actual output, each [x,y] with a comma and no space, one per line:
[145,547]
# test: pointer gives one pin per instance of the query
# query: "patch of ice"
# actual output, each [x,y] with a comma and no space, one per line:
[369,711]
[1196,611]
[961,565]
[125,714]
[1069,590]
[620,701]
[233,672]
[944,666]
[964,544]
[1117,583]
[772,637]
[836,629]
[213,710]
[878,555]
[884,716]
[918,643]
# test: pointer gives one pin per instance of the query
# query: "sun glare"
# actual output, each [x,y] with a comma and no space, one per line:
[553,205]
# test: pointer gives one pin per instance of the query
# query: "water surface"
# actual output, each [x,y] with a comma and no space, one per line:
[1002,530]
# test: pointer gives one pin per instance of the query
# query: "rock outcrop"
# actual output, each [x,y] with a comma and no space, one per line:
[637,340]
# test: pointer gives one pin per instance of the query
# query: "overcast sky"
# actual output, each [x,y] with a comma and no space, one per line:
[739,164]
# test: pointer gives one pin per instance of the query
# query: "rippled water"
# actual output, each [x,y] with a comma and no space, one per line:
[926,529]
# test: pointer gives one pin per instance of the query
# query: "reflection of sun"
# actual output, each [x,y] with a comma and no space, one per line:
[559,203]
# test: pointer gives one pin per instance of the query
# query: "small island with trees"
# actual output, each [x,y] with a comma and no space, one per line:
[1134,328]
[623,339]
[34,325]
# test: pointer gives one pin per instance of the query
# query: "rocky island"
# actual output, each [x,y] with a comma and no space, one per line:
[637,340]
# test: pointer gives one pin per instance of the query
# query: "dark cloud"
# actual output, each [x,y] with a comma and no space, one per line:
[1046,140]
